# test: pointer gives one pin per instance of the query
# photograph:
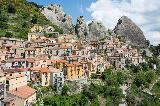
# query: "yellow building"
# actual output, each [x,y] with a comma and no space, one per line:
[59,64]
[41,76]
[39,50]
[74,71]
[36,28]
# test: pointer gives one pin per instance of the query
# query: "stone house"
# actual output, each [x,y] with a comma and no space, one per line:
[23,96]
[15,78]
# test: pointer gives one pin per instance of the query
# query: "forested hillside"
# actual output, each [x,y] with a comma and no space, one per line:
[18,16]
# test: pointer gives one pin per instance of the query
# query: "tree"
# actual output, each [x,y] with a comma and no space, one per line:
[89,93]
[3,20]
[144,53]
[134,68]
[94,76]
[65,90]
[57,29]
[36,5]
[25,25]
[11,8]
[34,20]
[48,101]
[22,34]
[143,79]
[113,95]
[147,42]
[150,76]
[155,50]
[83,100]
[121,78]
[95,102]
[25,15]
[144,66]
[8,35]
[140,79]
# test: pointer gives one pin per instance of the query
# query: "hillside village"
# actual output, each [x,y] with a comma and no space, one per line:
[48,58]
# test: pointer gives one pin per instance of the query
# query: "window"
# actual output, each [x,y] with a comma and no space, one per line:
[50,51]
[27,102]
[60,85]
[55,75]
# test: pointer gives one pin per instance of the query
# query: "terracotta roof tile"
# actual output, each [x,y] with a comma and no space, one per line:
[30,49]
[70,65]
[23,92]
[31,60]
[77,63]
[55,70]
[59,61]
[65,47]
[43,69]
[12,70]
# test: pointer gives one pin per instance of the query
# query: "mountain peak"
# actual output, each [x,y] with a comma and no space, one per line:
[127,28]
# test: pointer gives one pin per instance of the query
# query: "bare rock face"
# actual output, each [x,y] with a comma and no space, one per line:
[57,16]
[92,31]
[81,28]
[125,27]
[97,30]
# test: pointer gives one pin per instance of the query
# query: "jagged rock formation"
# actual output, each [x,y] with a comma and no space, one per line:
[125,27]
[57,16]
[81,28]
[97,30]
[92,31]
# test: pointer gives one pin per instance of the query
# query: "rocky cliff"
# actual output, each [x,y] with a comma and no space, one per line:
[125,27]
[57,16]
[97,30]
[92,31]
[81,28]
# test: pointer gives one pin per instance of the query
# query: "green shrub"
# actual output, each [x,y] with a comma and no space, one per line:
[11,8]
[8,35]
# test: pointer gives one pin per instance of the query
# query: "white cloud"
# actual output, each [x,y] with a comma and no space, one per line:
[145,13]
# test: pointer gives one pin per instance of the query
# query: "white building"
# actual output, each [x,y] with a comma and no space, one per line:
[57,78]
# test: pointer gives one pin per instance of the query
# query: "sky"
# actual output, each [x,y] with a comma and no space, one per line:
[145,13]
[73,8]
